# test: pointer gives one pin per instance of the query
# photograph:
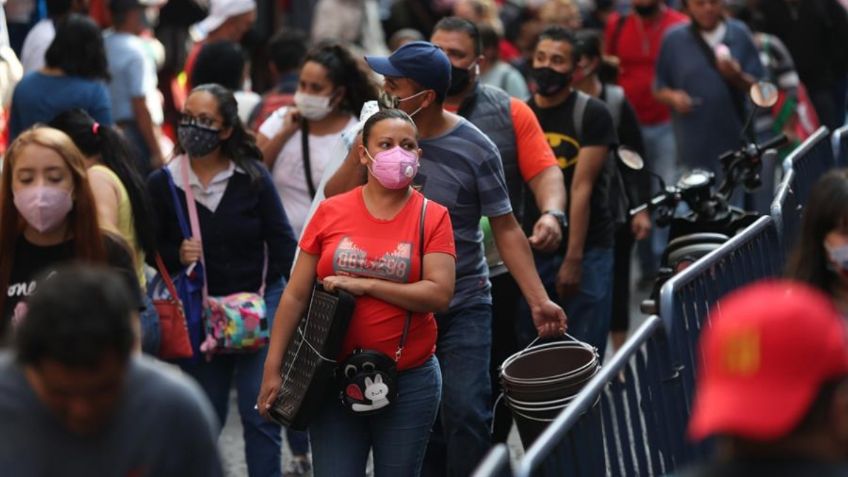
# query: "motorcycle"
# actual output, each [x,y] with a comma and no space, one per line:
[700,216]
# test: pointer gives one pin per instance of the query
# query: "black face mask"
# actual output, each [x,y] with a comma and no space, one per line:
[550,82]
[198,141]
[646,10]
[460,77]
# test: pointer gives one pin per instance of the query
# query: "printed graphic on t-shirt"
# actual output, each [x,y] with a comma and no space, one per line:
[565,148]
[21,290]
[351,259]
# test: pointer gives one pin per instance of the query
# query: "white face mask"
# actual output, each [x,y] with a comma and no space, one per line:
[311,106]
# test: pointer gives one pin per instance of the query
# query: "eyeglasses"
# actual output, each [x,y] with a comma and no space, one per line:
[200,121]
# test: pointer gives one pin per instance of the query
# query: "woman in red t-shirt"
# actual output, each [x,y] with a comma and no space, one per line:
[366,242]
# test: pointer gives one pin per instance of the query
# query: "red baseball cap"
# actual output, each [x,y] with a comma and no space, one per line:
[769,348]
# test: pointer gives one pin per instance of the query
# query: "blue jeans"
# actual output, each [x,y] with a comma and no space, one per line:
[398,436]
[589,311]
[151,335]
[462,435]
[661,152]
[262,438]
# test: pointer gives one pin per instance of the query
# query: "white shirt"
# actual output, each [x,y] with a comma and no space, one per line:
[715,37]
[246,102]
[288,173]
[210,196]
[36,44]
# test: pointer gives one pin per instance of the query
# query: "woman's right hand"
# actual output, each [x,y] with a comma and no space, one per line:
[291,122]
[271,383]
[190,251]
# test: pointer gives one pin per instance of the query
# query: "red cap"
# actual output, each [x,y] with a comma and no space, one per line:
[765,355]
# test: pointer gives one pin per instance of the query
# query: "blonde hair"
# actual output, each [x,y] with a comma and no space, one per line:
[561,12]
[83,225]
[485,12]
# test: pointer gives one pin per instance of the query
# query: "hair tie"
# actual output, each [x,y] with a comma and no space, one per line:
[95,127]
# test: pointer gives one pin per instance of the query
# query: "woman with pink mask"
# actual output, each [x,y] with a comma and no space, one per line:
[48,217]
[394,251]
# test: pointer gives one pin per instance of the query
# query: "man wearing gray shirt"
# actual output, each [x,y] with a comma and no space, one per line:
[76,399]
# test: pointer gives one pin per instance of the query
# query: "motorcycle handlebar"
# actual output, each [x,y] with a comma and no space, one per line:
[774,142]
[656,201]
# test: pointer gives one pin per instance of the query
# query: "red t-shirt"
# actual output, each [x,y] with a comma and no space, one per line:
[350,241]
[637,48]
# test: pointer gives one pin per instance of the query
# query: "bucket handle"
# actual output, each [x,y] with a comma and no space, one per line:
[501,395]
[536,340]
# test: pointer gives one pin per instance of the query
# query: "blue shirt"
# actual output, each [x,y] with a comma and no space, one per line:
[462,170]
[133,76]
[39,98]
[713,126]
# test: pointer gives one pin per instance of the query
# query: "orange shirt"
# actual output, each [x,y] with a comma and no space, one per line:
[350,241]
[534,153]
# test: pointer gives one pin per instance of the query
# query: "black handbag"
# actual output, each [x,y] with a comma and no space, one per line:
[368,378]
[310,360]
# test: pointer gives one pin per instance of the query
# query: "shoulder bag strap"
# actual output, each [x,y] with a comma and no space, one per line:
[579,112]
[192,215]
[709,54]
[195,227]
[408,320]
[166,277]
[616,34]
[307,166]
[178,208]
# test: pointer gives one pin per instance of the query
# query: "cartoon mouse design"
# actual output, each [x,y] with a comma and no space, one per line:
[377,392]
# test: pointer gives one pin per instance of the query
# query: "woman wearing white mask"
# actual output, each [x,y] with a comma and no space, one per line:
[48,217]
[331,91]
[820,257]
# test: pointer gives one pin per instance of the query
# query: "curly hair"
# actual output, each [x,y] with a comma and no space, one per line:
[343,70]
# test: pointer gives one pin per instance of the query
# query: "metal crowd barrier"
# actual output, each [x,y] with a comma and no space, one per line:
[686,298]
[630,419]
[810,160]
[495,464]
[840,146]
[787,212]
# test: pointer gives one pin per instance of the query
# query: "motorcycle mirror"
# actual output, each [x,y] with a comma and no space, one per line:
[763,94]
[630,158]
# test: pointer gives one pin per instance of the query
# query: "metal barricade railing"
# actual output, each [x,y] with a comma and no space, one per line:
[839,138]
[496,463]
[810,160]
[685,300]
[628,420]
[786,212]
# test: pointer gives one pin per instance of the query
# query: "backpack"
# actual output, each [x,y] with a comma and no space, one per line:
[619,205]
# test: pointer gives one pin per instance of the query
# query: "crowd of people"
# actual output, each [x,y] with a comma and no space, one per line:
[452,164]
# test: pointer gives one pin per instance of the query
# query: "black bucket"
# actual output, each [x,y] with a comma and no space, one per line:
[541,381]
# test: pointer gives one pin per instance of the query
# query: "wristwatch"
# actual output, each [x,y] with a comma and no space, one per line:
[559,216]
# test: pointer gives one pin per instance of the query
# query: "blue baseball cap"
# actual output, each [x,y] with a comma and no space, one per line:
[420,61]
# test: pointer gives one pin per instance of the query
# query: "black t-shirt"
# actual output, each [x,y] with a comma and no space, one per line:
[597,130]
[33,262]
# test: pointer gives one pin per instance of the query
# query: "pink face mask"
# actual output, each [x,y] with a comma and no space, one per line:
[43,207]
[395,168]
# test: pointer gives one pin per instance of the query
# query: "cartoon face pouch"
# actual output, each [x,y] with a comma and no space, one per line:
[368,382]
[368,378]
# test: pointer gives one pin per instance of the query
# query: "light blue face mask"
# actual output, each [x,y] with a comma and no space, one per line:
[838,257]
